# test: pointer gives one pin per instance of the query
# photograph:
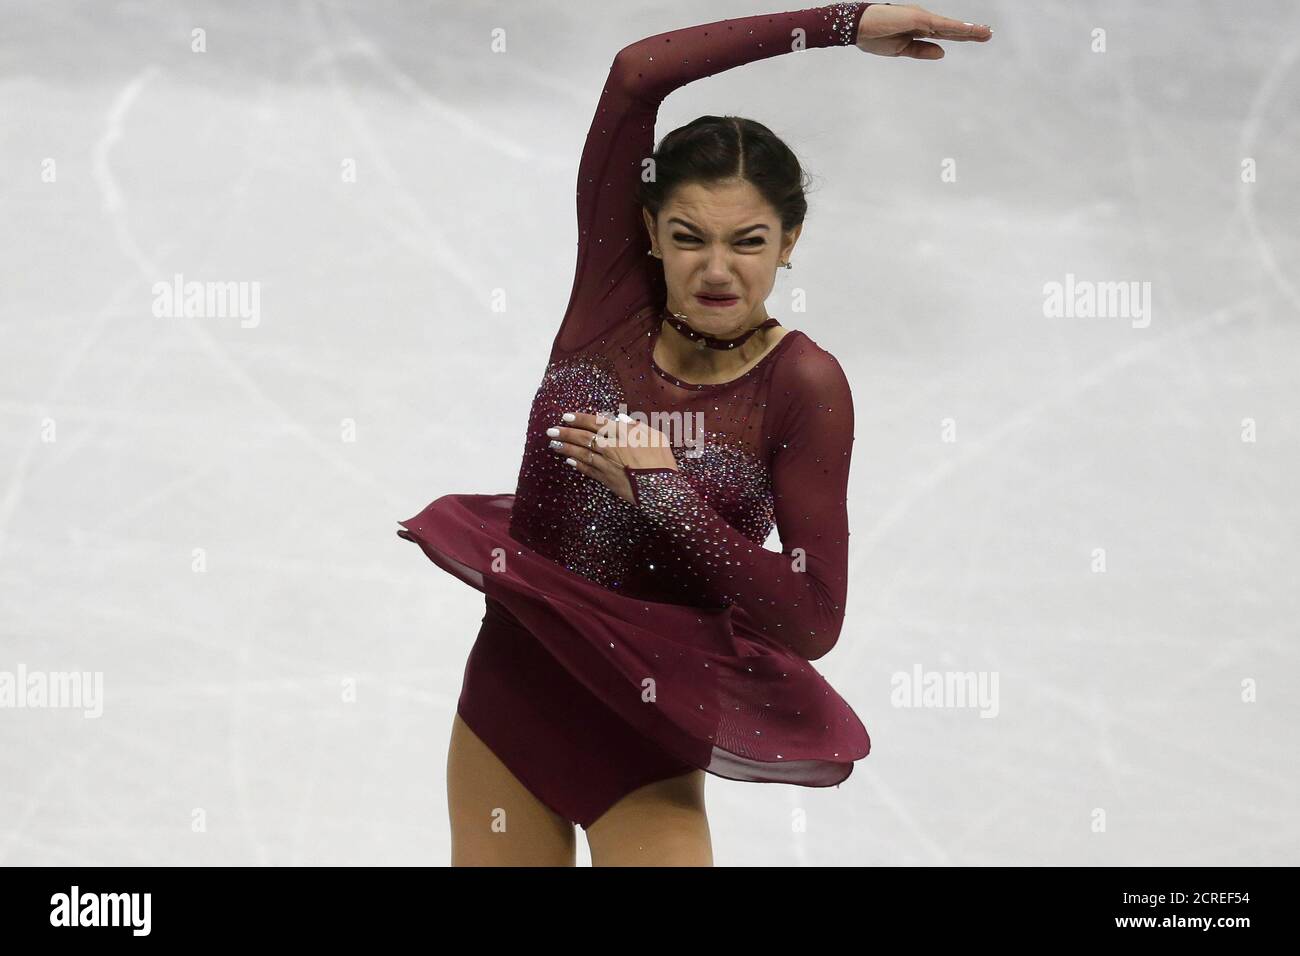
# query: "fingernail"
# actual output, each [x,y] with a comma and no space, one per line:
[557,445]
[570,461]
[569,417]
[553,432]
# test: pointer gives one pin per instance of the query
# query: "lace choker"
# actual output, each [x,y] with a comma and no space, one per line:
[677,321]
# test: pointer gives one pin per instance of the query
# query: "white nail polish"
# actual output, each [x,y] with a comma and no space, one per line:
[570,461]
[569,417]
[553,432]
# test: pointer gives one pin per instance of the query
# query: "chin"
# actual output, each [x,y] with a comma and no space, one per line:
[718,321]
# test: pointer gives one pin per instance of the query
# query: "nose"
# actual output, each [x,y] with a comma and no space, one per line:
[717,269]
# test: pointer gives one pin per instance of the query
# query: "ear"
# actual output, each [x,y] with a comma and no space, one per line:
[649,221]
[788,240]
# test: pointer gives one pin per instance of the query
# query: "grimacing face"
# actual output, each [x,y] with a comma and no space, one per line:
[716,241]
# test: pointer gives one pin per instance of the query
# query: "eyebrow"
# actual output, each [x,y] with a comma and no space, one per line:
[693,228]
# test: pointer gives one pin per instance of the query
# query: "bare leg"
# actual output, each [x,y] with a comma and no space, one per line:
[495,820]
[660,824]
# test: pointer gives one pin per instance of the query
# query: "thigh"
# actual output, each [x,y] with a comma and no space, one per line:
[661,824]
[495,820]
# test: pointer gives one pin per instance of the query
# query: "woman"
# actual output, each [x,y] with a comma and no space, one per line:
[637,633]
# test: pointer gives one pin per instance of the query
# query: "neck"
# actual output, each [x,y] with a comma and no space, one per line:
[681,355]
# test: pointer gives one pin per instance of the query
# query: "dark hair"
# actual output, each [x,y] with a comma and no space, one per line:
[714,148]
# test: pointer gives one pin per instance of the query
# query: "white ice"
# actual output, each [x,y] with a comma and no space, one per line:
[1146,714]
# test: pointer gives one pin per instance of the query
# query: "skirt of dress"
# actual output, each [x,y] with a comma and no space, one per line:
[700,684]
[571,751]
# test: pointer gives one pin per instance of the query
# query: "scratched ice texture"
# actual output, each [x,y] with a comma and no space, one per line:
[201,509]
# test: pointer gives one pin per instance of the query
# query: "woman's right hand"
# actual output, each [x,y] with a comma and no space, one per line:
[891,29]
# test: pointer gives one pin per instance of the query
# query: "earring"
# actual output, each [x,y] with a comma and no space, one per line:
[651,252]
[786,265]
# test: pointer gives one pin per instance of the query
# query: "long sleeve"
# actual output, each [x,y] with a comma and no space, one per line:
[614,278]
[795,597]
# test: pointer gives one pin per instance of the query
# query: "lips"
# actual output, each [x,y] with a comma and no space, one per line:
[717,300]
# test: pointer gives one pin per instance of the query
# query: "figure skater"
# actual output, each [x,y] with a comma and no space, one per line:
[637,634]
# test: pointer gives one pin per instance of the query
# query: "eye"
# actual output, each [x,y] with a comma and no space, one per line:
[752,242]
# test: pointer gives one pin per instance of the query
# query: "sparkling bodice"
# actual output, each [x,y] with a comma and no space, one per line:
[719,444]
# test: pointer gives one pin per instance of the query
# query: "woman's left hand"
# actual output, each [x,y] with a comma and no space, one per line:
[602,447]
[891,29]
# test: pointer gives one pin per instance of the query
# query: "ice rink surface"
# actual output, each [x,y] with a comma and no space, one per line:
[1099,511]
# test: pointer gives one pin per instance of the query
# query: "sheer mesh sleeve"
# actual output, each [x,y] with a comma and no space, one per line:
[795,597]
[614,278]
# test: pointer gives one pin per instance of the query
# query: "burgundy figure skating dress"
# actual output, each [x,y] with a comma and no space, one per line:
[625,642]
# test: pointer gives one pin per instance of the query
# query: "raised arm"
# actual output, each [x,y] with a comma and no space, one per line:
[795,597]
[614,277]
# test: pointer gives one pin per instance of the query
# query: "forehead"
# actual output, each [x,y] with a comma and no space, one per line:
[719,204]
